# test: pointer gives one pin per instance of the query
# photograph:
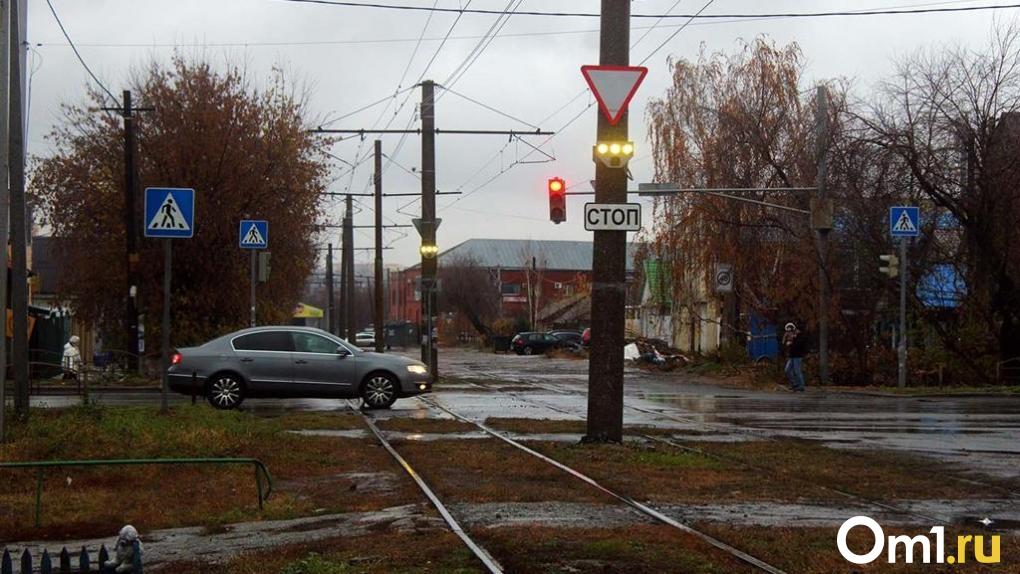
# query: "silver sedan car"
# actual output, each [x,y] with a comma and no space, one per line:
[300,362]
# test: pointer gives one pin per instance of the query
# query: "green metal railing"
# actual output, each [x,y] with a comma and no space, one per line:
[264,490]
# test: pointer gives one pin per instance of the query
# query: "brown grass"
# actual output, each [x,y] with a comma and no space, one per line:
[631,550]
[487,470]
[424,426]
[310,472]
[873,474]
[384,552]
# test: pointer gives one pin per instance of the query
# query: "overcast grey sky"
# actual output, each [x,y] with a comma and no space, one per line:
[349,57]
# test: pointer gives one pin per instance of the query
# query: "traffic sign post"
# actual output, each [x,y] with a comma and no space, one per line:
[169,214]
[904,223]
[613,83]
[253,234]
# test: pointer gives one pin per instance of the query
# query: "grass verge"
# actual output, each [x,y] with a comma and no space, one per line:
[312,474]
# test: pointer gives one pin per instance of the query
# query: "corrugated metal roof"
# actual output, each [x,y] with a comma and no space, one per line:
[517,254]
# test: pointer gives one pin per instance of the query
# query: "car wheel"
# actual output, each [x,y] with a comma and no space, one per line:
[529,351]
[225,392]
[379,391]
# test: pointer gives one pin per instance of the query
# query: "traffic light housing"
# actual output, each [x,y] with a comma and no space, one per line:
[557,200]
[892,265]
[613,154]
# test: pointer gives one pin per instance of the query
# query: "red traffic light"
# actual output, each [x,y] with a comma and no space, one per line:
[557,200]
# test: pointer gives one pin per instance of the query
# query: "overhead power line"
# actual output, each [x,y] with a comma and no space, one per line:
[78,54]
[759,15]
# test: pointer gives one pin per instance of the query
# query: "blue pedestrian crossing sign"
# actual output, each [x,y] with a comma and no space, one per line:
[904,221]
[169,212]
[254,234]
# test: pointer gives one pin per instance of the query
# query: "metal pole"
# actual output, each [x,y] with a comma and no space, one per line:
[349,270]
[165,361]
[902,378]
[130,231]
[821,141]
[5,207]
[330,307]
[19,228]
[429,265]
[609,256]
[254,270]
[379,317]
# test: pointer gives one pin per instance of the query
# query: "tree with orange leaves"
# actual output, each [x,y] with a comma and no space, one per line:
[247,154]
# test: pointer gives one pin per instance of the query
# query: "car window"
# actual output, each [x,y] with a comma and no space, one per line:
[309,343]
[535,337]
[550,338]
[264,341]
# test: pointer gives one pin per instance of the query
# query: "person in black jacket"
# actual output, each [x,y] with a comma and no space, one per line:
[795,347]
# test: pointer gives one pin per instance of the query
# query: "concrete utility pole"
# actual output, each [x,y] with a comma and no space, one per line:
[609,257]
[822,143]
[330,308]
[348,295]
[378,318]
[19,225]
[5,205]
[429,264]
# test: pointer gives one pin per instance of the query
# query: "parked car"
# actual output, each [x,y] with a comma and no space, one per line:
[365,339]
[569,339]
[278,362]
[533,343]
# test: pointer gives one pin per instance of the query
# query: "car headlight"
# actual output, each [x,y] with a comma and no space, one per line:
[417,369]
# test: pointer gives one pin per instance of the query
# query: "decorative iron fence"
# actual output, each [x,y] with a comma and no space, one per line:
[65,562]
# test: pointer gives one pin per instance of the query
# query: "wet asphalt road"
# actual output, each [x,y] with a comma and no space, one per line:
[976,433]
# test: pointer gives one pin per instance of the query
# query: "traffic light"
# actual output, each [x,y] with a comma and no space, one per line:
[613,154]
[557,200]
[892,265]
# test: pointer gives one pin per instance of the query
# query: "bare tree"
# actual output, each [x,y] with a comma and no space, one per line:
[471,290]
[950,119]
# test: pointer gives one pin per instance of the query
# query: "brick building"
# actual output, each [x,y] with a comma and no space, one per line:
[532,275]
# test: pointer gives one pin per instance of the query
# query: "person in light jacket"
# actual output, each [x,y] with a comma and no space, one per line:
[72,358]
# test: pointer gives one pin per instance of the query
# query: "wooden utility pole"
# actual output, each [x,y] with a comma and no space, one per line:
[822,143]
[131,331]
[19,224]
[5,202]
[330,307]
[378,315]
[348,295]
[609,256]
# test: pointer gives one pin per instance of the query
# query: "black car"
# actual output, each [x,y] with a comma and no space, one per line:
[569,339]
[534,343]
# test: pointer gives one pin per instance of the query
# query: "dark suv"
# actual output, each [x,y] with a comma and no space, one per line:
[534,343]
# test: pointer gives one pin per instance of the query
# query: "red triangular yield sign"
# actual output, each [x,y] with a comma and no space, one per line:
[614,86]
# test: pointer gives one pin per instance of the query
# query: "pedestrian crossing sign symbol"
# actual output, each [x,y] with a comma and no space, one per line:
[904,221]
[254,234]
[169,212]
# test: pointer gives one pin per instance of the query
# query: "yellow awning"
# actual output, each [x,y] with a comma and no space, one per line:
[305,311]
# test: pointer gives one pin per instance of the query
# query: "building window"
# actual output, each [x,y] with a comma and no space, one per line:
[510,288]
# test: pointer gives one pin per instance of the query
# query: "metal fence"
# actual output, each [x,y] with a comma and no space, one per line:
[65,562]
[263,480]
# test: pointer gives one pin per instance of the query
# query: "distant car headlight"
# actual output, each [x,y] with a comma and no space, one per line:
[417,369]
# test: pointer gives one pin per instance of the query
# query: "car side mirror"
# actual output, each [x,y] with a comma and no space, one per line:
[342,351]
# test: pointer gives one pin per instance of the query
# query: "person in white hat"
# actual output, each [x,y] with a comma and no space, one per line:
[72,358]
